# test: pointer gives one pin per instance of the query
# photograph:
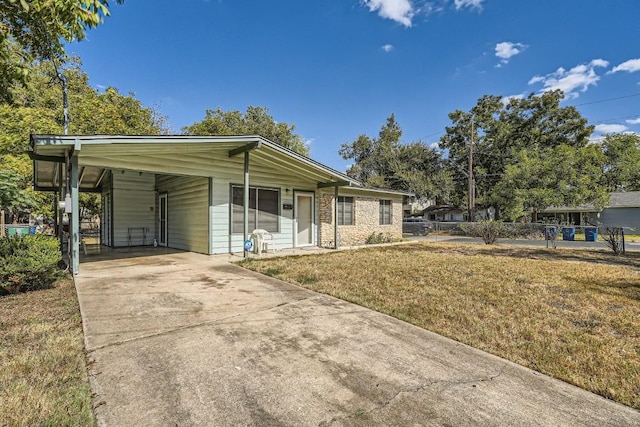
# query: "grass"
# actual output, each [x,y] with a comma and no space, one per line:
[43,377]
[571,314]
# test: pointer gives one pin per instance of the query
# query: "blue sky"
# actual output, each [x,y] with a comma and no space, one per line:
[339,68]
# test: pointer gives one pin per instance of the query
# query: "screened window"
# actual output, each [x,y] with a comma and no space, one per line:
[345,210]
[385,212]
[263,209]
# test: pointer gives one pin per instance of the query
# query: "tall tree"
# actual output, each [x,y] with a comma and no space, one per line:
[37,108]
[255,121]
[35,30]
[385,162]
[504,132]
[622,165]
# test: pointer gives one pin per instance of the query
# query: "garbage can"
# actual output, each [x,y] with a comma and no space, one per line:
[591,234]
[550,233]
[568,233]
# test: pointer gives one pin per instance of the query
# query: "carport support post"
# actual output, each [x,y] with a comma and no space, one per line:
[245,194]
[75,217]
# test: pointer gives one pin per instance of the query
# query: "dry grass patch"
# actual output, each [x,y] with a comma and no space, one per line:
[43,377]
[574,315]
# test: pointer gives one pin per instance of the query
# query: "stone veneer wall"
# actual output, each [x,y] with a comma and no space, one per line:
[366,220]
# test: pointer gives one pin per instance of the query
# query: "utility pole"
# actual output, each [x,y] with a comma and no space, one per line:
[471,186]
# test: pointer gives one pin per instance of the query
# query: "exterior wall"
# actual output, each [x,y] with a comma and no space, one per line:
[620,217]
[187,212]
[223,241]
[366,220]
[133,207]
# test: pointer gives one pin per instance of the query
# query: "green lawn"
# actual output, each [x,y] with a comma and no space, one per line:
[571,314]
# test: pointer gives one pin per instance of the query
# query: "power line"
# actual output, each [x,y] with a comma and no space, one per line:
[608,100]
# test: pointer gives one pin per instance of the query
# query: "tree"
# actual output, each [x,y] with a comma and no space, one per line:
[255,121]
[622,165]
[504,133]
[37,108]
[14,197]
[35,30]
[384,162]
[556,176]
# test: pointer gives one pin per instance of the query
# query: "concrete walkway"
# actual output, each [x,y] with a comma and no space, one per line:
[181,339]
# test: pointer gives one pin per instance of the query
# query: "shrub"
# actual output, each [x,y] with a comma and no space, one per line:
[614,236]
[28,262]
[376,238]
[488,230]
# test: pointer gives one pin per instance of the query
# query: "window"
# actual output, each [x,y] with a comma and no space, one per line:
[345,210]
[264,209]
[385,212]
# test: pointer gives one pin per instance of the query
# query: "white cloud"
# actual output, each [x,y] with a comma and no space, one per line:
[401,11]
[506,50]
[630,66]
[611,128]
[387,48]
[471,4]
[571,82]
[506,99]
[634,121]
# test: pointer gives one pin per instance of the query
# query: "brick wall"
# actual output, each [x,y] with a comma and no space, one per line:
[366,220]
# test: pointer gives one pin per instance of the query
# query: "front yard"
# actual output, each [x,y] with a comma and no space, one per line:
[43,377]
[571,314]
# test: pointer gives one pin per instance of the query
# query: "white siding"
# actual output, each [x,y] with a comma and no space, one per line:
[133,207]
[222,241]
[187,202]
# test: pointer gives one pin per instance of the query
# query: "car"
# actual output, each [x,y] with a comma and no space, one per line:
[416,226]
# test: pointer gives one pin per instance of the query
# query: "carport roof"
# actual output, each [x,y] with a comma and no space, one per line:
[98,153]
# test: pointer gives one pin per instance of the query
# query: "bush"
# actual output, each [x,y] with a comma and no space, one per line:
[614,236]
[376,238]
[28,262]
[488,230]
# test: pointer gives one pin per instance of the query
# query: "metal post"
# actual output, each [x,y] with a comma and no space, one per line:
[471,190]
[335,215]
[74,223]
[246,203]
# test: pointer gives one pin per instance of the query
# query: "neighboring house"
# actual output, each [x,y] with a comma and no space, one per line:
[188,192]
[414,206]
[444,213]
[623,210]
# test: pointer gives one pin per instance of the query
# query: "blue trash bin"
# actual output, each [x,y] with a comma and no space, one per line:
[591,234]
[550,233]
[568,233]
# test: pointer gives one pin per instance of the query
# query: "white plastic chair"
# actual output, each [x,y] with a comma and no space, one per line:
[263,241]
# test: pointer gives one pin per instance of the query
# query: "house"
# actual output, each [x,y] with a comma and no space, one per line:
[444,213]
[208,193]
[623,210]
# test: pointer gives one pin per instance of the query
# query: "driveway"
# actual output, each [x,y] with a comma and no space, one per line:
[182,339]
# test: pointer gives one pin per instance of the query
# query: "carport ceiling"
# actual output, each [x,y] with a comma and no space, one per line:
[174,155]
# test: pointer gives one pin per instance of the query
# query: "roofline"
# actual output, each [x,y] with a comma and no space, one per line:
[72,140]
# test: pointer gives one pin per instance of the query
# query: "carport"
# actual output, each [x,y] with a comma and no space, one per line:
[222,176]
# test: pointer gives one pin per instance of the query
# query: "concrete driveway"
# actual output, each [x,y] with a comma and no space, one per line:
[181,339]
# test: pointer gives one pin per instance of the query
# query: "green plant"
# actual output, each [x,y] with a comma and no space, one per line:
[489,231]
[376,238]
[28,262]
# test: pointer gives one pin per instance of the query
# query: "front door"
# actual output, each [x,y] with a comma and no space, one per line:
[162,220]
[304,219]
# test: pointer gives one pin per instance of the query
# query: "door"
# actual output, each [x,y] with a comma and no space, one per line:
[162,220]
[105,220]
[304,219]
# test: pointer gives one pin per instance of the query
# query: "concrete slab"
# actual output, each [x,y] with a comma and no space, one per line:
[184,339]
